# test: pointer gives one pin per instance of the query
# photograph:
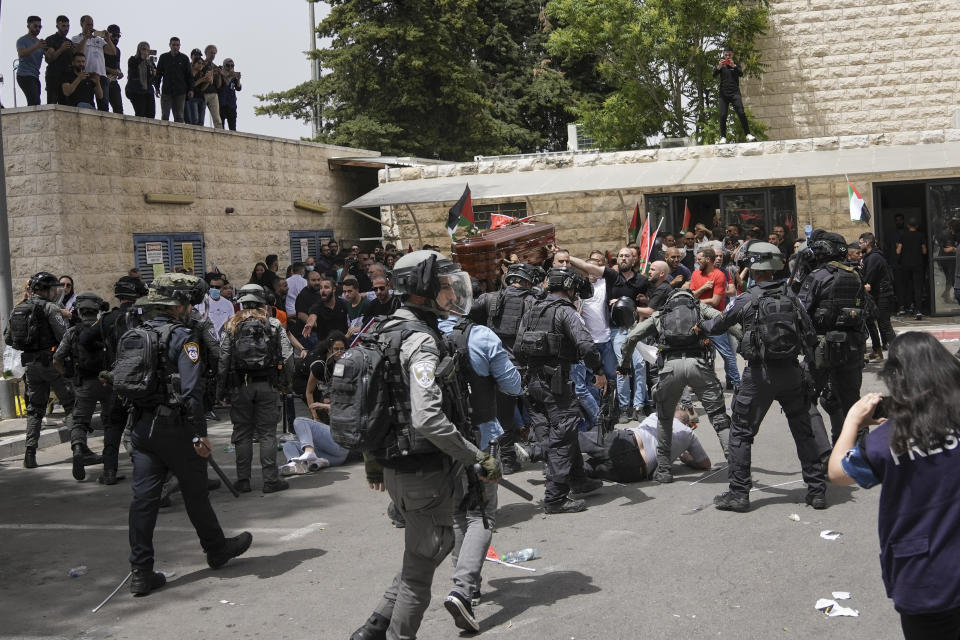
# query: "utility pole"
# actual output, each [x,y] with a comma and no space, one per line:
[7,409]
[314,68]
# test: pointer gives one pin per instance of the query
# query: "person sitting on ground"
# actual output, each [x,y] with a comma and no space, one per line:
[314,448]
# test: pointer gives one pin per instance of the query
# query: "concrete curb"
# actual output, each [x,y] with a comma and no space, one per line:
[15,445]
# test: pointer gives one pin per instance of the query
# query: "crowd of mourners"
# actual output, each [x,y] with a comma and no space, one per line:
[86,71]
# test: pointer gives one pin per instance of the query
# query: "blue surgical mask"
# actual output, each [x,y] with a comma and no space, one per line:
[309,267]
[214,294]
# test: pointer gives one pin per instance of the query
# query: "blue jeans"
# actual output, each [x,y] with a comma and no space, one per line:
[639,375]
[85,105]
[195,111]
[722,344]
[578,375]
[609,358]
[311,433]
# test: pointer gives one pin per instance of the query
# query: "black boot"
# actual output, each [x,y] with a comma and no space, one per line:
[79,473]
[30,458]
[109,476]
[232,547]
[375,628]
[143,581]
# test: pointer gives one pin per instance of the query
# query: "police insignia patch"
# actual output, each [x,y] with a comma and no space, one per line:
[423,373]
[192,349]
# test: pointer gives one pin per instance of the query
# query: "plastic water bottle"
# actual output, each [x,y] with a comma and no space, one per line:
[522,555]
[76,572]
[229,448]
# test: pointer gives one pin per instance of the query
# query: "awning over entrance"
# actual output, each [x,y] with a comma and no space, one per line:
[672,173]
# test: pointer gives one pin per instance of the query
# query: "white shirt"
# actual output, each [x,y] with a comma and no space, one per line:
[684,439]
[93,49]
[218,311]
[594,312]
[295,284]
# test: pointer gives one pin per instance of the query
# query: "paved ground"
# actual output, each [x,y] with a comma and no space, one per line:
[643,561]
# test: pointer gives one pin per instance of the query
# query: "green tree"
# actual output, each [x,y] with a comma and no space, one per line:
[657,57]
[436,78]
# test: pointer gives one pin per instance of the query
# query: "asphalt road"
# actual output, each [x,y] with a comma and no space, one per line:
[644,561]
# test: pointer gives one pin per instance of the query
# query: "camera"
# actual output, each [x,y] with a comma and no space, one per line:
[883,408]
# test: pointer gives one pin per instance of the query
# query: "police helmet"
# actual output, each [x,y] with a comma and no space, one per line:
[43,280]
[431,275]
[199,291]
[762,256]
[826,246]
[565,278]
[623,314]
[129,287]
[251,296]
[171,289]
[90,302]
[524,272]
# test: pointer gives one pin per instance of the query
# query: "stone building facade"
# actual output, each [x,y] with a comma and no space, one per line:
[77,179]
[853,67]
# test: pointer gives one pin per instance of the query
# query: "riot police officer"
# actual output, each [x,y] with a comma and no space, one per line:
[169,429]
[686,359]
[550,339]
[776,329]
[834,297]
[432,287]
[87,363]
[253,354]
[36,327]
[502,311]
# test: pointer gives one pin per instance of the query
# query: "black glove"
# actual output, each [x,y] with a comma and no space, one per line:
[625,368]
[489,466]
[373,470]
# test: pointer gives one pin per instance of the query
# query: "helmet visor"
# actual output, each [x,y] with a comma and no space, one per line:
[456,292]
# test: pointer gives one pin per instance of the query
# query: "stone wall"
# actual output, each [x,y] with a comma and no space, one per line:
[854,67]
[76,181]
[599,220]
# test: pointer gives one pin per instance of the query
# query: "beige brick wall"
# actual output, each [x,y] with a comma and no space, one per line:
[76,182]
[853,67]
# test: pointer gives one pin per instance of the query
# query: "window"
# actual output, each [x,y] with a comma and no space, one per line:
[481,212]
[304,244]
[764,208]
[169,251]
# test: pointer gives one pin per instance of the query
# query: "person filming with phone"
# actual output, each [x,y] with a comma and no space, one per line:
[914,454]
[730,74]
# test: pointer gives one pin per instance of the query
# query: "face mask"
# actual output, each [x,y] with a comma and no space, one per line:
[214,294]
[309,267]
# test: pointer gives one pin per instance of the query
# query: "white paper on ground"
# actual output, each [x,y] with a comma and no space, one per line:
[841,595]
[834,610]
[827,534]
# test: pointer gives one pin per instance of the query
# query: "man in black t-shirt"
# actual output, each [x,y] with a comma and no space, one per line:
[306,299]
[730,73]
[912,250]
[384,303]
[327,315]
[58,54]
[112,93]
[78,87]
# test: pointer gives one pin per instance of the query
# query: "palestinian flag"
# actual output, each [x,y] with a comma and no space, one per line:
[460,220]
[686,218]
[858,208]
[634,227]
[646,243]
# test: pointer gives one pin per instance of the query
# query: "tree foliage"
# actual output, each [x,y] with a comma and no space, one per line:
[657,58]
[435,78]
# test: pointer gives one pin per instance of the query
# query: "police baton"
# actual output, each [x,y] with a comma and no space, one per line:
[506,484]
[216,467]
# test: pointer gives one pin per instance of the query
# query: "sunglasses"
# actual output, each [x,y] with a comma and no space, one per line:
[379,288]
[229,66]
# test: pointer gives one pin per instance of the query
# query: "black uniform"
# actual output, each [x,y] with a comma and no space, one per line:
[162,440]
[834,298]
[761,384]
[876,273]
[730,95]
[553,403]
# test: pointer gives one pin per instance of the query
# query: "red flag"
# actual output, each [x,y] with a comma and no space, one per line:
[645,243]
[498,220]
[409,248]
[686,218]
[634,227]
[493,555]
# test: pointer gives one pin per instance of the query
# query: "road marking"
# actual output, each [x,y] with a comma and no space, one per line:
[303,531]
[287,533]
[707,477]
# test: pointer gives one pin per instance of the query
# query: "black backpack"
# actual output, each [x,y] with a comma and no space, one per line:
[90,359]
[141,371]
[256,346]
[678,316]
[368,394]
[29,328]
[779,325]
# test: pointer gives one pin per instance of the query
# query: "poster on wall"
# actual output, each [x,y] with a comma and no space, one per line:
[304,248]
[186,249]
[154,252]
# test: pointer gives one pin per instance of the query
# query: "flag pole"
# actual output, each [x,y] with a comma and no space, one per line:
[653,239]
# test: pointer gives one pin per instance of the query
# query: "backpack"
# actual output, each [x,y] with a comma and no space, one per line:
[368,396]
[89,360]
[778,325]
[678,316]
[255,346]
[29,328]
[140,372]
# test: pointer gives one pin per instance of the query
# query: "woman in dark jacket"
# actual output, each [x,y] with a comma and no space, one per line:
[914,454]
[141,75]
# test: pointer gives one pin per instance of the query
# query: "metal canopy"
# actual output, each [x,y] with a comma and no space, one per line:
[668,173]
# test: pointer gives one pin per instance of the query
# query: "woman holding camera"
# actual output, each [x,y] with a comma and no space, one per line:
[141,81]
[915,456]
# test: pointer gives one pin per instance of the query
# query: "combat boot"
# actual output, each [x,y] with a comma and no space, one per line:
[565,506]
[109,476]
[79,473]
[232,547]
[375,628]
[144,581]
[585,486]
[731,501]
[30,458]
[90,458]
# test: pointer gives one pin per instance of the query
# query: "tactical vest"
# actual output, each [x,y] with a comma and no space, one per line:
[89,360]
[841,308]
[506,312]
[543,342]
[30,328]
[481,389]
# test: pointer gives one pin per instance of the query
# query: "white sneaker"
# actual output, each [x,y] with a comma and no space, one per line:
[751,137]
[293,468]
[312,462]
[722,141]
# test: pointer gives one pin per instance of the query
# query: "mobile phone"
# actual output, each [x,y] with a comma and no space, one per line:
[152,52]
[882,409]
